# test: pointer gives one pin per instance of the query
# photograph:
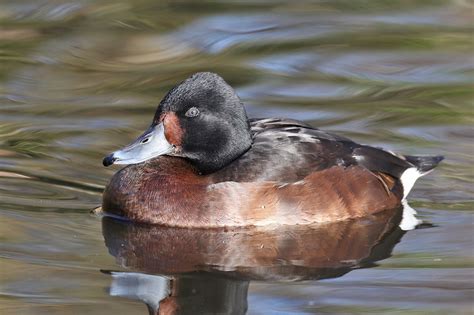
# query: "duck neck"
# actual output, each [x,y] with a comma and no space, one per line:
[215,161]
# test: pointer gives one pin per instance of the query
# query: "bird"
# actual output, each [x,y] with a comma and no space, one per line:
[202,163]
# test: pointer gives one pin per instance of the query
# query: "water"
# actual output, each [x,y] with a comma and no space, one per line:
[80,79]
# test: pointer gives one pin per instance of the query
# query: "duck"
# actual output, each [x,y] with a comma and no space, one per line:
[202,163]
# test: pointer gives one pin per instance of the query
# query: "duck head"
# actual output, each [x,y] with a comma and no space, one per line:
[201,119]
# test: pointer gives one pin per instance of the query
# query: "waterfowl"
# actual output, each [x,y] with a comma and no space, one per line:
[203,163]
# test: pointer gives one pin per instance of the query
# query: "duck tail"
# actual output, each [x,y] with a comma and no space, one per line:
[422,166]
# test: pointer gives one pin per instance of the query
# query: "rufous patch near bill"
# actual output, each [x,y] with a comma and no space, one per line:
[173,131]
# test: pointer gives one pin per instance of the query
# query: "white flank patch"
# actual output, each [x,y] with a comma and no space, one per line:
[408,179]
[409,220]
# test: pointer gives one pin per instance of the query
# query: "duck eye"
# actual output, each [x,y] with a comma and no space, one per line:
[192,112]
[145,140]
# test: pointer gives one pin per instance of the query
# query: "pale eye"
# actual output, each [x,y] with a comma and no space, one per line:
[192,112]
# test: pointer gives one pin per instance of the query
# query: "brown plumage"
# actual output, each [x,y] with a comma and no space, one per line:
[169,191]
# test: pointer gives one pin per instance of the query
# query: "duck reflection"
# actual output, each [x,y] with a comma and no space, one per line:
[208,271]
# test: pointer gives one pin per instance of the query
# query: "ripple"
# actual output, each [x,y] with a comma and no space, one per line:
[314,91]
[18,193]
[42,10]
[289,63]
[99,52]
[215,34]
[405,67]
[385,67]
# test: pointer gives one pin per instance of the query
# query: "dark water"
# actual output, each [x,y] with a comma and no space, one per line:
[79,79]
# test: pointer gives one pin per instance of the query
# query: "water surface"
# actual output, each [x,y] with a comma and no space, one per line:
[80,79]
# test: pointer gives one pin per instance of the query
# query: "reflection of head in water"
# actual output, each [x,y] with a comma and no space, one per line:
[187,294]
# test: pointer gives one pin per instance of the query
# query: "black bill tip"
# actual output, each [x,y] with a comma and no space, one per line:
[109,160]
